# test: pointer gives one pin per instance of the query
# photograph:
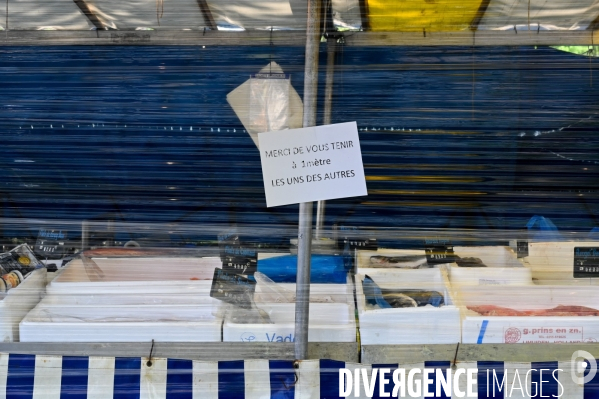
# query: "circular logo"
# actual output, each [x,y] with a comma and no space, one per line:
[23,260]
[512,335]
[581,362]
[248,337]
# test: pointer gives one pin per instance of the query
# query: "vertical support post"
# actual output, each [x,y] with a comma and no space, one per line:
[304,237]
[330,74]
[110,232]
[84,235]
[328,105]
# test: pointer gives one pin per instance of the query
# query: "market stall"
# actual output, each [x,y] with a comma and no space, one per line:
[187,270]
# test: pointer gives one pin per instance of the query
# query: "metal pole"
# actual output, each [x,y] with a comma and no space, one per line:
[328,89]
[328,102]
[84,235]
[304,236]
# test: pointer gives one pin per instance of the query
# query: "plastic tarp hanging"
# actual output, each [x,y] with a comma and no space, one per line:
[419,15]
[267,102]
[542,228]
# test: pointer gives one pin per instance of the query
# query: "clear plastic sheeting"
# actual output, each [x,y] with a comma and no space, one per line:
[412,287]
[45,15]
[265,14]
[269,103]
[135,182]
[152,14]
[539,14]
[346,14]
[342,15]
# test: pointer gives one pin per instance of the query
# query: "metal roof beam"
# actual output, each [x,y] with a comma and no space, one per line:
[93,18]
[207,14]
[594,25]
[295,38]
[364,14]
[482,9]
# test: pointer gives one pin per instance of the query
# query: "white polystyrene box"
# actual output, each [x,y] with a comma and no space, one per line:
[421,325]
[18,302]
[331,318]
[329,322]
[138,275]
[503,267]
[528,329]
[553,262]
[122,318]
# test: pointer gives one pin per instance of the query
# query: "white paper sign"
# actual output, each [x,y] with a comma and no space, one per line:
[312,164]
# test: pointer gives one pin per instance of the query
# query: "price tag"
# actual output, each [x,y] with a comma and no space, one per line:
[586,262]
[367,244]
[50,244]
[232,288]
[522,248]
[240,265]
[229,238]
[239,259]
[350,238]
[439,254]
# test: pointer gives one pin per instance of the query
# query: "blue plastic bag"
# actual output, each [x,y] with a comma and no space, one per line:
[325,269]
[542,229]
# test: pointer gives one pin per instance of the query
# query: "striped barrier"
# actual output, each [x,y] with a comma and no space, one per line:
[76,377]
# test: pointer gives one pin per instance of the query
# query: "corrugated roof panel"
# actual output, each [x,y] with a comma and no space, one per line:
[47,14]
[540,14]
[416,15]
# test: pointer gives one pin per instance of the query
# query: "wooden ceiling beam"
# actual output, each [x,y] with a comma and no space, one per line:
[295,38]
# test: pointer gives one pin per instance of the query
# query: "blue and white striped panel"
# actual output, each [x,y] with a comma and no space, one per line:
[72,377]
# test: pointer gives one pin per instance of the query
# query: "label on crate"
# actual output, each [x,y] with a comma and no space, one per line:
[239,259]
[240,265]
[534,335]
[232,288]
[439,254]
[522,248]
[50,243]
[586,262]
[227,238]
[350,238]
[368,244]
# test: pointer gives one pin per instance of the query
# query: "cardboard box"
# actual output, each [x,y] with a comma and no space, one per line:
[418,325]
